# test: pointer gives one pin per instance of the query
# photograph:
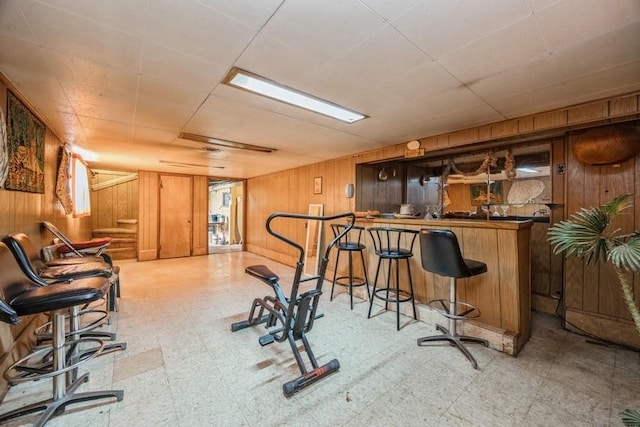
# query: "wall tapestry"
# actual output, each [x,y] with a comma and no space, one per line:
[4,156]
[25,140]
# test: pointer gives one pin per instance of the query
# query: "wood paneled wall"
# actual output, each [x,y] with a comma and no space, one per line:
[200,224]
[592,296]
[119,201]
[292,191]
[23,212]
[148,220]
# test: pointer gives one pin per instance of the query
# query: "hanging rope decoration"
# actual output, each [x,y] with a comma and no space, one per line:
[510,165]
[490,161]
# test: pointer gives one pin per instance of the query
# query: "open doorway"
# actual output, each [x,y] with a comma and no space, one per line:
[226,215]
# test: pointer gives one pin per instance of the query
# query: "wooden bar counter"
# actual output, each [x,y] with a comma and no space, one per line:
[503,294]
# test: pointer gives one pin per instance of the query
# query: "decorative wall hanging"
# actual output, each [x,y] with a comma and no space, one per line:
[63,181]
[607,145]
[25,140]
[4,155]
[522,192]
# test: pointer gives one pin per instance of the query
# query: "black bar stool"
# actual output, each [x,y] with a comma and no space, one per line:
[441,255]
[351,244]
[392,245]
[19,296]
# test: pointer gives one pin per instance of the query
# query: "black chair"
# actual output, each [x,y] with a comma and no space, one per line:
[441,255]
[20,296]
[351,244]
[393,245]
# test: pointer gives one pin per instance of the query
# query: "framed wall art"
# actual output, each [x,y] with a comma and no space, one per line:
[25,148]
[479,194]
[317,185]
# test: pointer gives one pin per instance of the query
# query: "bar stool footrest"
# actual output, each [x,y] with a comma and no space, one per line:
[38,364]
[442,307]
[355,281]
[396,296]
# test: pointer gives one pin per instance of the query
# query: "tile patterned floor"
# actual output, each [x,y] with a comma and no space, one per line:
[184,367]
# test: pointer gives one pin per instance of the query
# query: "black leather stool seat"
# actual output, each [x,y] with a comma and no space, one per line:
[350,243]
[29,259]
[28,299]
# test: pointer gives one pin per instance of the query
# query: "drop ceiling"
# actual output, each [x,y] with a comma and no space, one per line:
[121,79]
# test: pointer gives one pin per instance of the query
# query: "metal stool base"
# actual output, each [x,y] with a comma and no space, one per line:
[52,407]
[456,340]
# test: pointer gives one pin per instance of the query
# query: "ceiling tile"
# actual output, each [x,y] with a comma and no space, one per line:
[82,37]
[363,67]
[165,106]
[599,53]
[572,21]
[162,63]
[196,30]
[391,9]
[323,29]
[13,23]
[511,46]
[125,15]
[438,27]
[251,13]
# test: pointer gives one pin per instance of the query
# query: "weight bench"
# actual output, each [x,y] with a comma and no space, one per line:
[293,316]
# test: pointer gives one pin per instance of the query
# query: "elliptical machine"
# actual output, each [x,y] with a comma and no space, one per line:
[293,317]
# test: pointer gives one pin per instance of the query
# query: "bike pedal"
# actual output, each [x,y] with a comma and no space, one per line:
[266,339]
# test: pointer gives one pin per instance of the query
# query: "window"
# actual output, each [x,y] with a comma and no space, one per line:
[80,187]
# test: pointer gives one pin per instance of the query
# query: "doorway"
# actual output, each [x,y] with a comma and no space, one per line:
[226,215]
[175,216]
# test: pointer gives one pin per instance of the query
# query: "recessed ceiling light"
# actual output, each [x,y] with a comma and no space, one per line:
[224,143]
[262,86]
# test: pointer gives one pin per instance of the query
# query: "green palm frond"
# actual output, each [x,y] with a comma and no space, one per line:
[626,255]
[630,417]
[585,234]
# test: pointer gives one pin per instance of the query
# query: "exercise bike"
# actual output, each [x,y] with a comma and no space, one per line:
[293,317]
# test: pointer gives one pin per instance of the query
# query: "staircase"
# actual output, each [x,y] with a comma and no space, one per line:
[124,243]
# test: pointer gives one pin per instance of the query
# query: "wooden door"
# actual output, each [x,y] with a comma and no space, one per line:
[175,216]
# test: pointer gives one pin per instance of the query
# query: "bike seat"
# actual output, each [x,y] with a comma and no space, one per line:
[263,273]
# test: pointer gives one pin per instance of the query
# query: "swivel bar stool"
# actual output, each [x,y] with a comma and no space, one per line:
[350,243]
[391,246]
[441,255]
[19,296]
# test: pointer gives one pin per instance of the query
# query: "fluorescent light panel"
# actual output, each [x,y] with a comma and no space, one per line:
[224,143]
[265,87]
[185,165]
[527,170]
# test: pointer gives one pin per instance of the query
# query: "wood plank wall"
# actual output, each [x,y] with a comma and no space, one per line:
[112,203]
[23,212]
[148,220]
[200,224]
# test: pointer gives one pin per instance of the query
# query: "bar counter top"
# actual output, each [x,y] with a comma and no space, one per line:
[502,294]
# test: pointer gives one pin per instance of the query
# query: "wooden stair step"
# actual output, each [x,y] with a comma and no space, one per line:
[130,224]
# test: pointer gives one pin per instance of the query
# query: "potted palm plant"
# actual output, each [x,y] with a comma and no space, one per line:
[588,235]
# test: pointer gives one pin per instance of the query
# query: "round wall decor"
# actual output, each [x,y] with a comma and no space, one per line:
[607,145]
